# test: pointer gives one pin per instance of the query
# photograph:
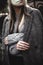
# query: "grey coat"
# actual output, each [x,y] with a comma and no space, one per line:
[33,28]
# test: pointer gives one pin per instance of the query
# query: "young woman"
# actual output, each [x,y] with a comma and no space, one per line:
[27,20]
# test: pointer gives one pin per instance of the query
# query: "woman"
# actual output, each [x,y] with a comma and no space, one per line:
[27,20]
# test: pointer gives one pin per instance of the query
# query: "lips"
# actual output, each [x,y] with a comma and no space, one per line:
[17,2]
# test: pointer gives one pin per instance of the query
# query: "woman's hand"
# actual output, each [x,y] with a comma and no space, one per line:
[21,45]
[6,40]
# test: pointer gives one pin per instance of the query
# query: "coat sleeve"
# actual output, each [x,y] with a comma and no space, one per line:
[41,44]
[35,53]
[5,32]
[36,35]
[4,47]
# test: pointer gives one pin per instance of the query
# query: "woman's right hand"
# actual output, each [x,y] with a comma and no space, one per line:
[6,40]
[21,45]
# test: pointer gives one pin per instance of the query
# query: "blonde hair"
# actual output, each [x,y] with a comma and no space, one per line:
[25,1]
[11,16]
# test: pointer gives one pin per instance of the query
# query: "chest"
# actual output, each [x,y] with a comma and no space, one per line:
[24,26]
[21,26]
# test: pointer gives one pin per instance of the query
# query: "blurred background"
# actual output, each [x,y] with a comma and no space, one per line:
[3,12]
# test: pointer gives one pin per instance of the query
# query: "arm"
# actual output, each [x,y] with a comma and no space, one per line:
[5,30]
[35,39]
[9,39]
[37,34]
[5,33]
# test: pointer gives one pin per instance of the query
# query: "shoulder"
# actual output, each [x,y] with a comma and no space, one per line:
[6,20]
[36,14]
[30,9]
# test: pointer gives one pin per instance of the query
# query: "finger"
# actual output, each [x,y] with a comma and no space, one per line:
[22,42]
[6,40]
[22,48]
[23,45]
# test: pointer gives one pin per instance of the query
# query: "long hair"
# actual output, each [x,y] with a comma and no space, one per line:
[12,14]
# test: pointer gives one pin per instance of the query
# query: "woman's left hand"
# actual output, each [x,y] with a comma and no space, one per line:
[21,45]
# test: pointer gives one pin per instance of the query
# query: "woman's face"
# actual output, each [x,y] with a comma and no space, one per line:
[17,2]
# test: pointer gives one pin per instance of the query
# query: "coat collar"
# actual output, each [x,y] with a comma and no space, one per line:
[28,9]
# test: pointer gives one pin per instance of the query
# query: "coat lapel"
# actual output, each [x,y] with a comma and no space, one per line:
[28,24]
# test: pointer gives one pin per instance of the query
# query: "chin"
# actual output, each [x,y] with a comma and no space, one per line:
[19,5]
